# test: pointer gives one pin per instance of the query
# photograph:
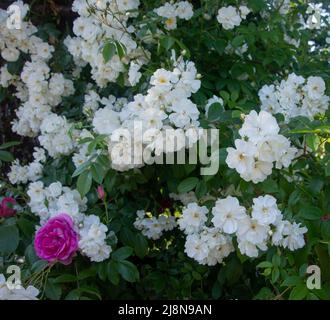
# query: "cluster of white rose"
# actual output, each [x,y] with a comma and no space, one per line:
[39,91]
[92,239]
[14,40]
[93,101]
[172,11]
[264,225]
[164,120]
[37,88]
[295,96]
[98,22]
[259,148]
[48,202]
[231,17]
[44,87]
[254,231]
[18,292]
[44,90]
[31,172]
[153,227]
[207,245]
[55,135]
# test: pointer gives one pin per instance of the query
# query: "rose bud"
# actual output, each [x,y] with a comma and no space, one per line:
[7,207]
[101,192]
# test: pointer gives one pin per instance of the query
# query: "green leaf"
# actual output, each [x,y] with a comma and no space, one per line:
[113,274]
[30,254]
[109,51]
[9,144]
[312,141]
[84,183]
[121,49]
[9,239]
[98,172]
[256,5]
[6,156]
[316,184]
[39,266]
[264,294]
[187,184]
[141,245]
[167,42]
[201,189]
[325,230]
[102,271]
[65,278]
[92,145]
[267,272]
[276,260]
[82,168]
[53,291]
[196,276]
[265,264]
[223,155]
[299,292]
[219,45]
[128,271]
[26,226]
[87,273]
[225,95]
[90,290]
[234,95]
[215,111]
[234,270]
[327,147]
[269,186]
[310,213]
[275,274]
[73,295]
[15,67]
[238,41]
[294,197]
[291,281]
[216,290]
[327,170]
[122,253]
[127,236]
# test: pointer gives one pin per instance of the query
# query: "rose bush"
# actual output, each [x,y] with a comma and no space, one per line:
[180,150]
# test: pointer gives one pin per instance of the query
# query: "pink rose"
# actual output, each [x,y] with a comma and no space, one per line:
[6,207]
[57,240]
[101,192]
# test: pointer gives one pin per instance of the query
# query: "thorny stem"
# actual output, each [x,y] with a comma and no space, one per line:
[279,296]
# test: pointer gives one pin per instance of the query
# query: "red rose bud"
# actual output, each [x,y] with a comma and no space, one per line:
[7,207]
[100,192]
